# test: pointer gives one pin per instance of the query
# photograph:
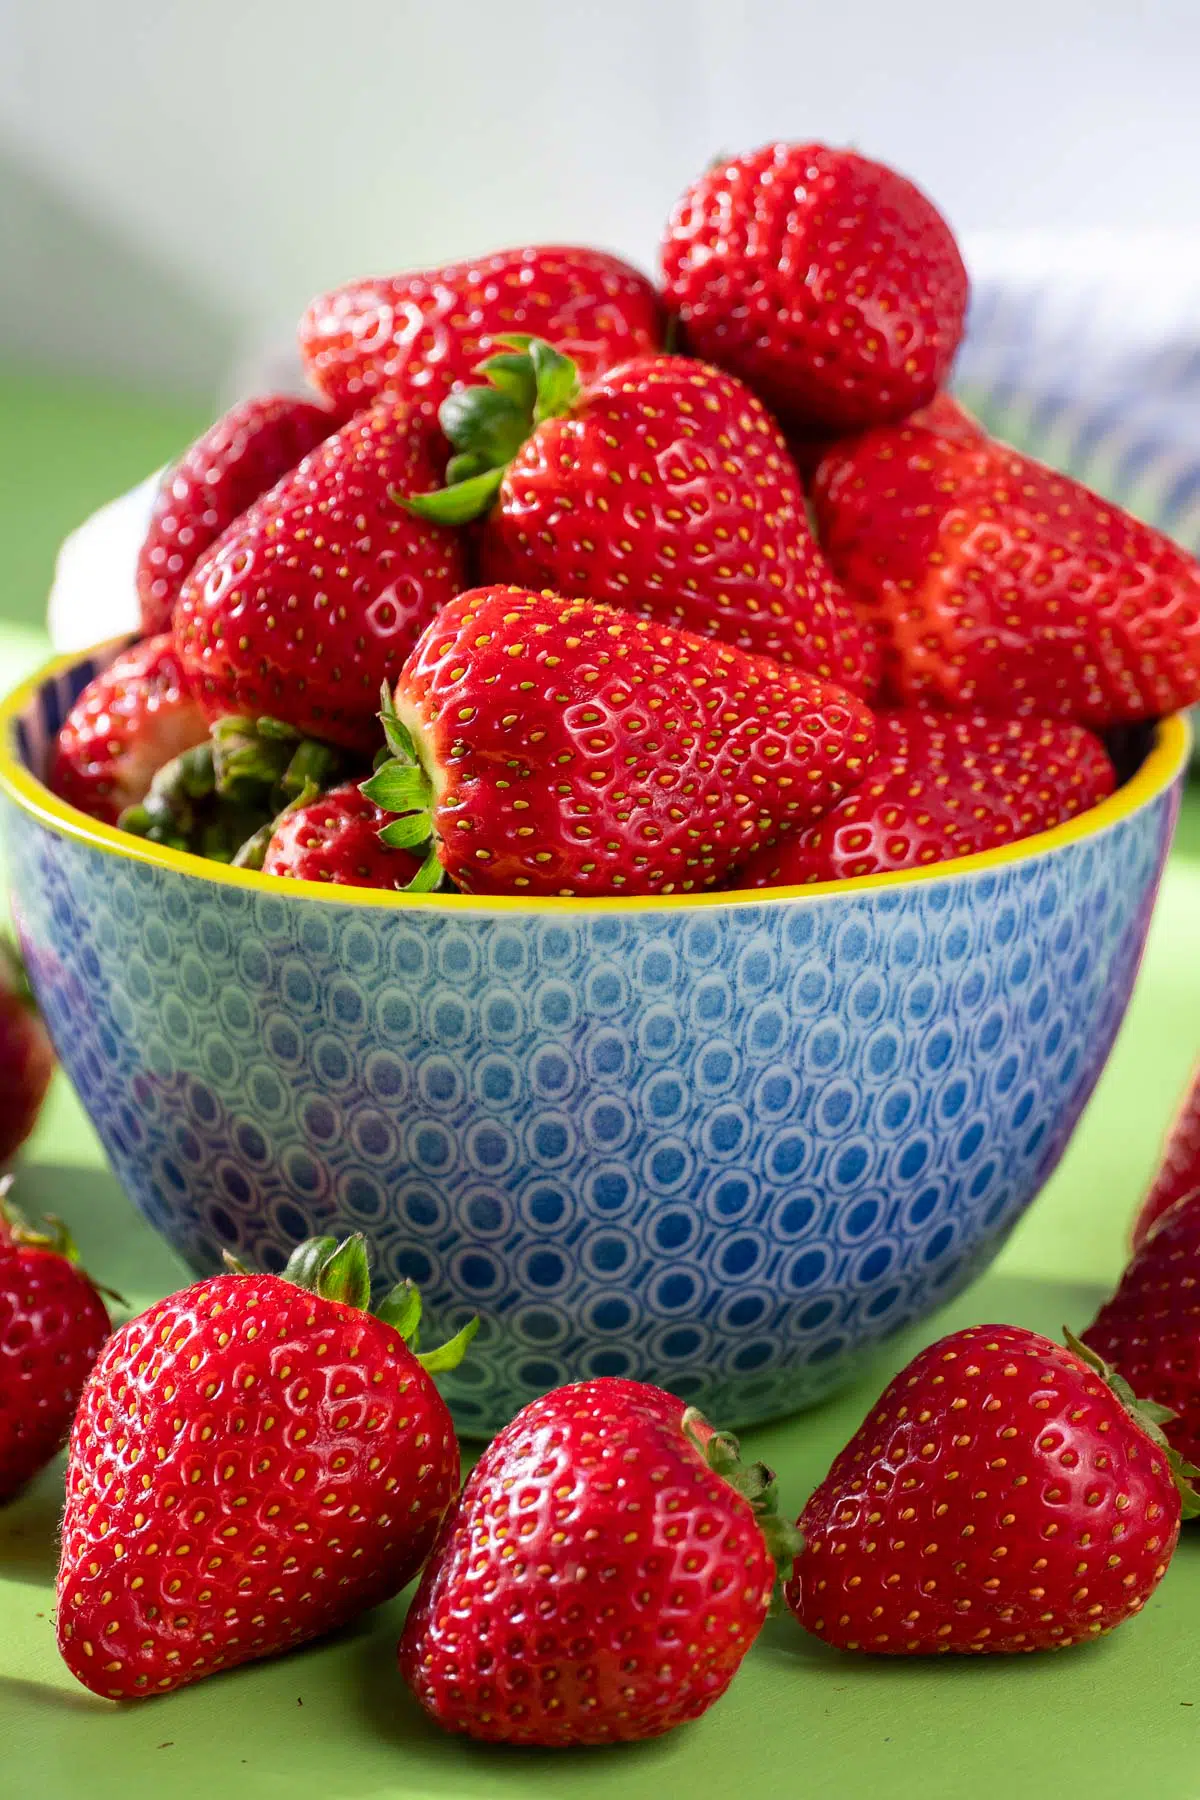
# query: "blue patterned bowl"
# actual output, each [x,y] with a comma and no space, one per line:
[722,1143]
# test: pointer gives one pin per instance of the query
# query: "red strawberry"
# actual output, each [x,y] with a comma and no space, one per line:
[1000,584]
[419,335]
[255,1461]
[1179,1172]
[826,281]
[52,1324]
[335,838]
[663,488]
[125,725]
[942,787]
[564,747]
[316,594]
[608,1566]
[26,1057]
[998,1497]
[235,461]
[1150,1329]
[944,414]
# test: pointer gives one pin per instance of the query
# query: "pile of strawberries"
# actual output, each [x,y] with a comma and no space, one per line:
[256,1460]
[562,584]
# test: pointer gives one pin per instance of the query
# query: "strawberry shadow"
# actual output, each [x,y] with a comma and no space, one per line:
[29,1531]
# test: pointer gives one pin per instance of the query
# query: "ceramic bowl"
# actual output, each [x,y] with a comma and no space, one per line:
[722,1143]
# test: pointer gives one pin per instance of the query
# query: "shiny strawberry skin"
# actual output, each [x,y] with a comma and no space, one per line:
[124,726]
[1000,584]
[1150,1329]
[669,490]
[944,414]
[421,334]
[826,281]
[224,471]
[315,596]
[582,750]
[596,1582]
[941,787]
[52,1325]
[1179,1172]
[335,839]
[251,1466]
[997,1498]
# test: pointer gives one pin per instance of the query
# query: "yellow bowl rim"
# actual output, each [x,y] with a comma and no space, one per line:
[1162,767]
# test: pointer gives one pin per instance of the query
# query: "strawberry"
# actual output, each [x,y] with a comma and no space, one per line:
[213,483]
[664,488]
[1179,1172]
[1150,1329]
[1003,1494]
[135,716]
[826,281]
[608,1566]
[942,787]
[944,414]
[317,593]
[255,1461]
[556,746]
[335,838]
[52,1324]
[419,335]
[1000,584]
[26,1056]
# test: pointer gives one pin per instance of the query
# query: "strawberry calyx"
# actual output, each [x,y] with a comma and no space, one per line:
[342,1272]
[526,383]
[52,1234]
[757,1485]
[402,784]
[1149,1416]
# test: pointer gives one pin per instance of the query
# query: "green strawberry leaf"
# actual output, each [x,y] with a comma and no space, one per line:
[406,833]
[757,1486]
[448,1356]
[428,877]
[399,788]
[401,1309]
[1150,1416]
[456,505]
[346,1275]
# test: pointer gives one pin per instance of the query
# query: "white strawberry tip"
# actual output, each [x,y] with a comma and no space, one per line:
[342,1272]
[403,784]
[526,383]
[1149,1416]
[757,1485]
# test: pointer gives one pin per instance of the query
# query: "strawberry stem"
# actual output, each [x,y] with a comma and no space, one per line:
[757,1485]
[1149,1416]
[17,1228]
[342,1272]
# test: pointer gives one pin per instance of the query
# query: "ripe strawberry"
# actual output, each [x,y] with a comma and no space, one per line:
[213,483]
[828,282]
[1000,584]
[557,746]
[52,1324]
[942,787]
[26,1056]
[255,1460]
[605,1571]
[130,720]
[335,838]
[664,487]
[317,593]
[944,414]
[419,335]
[1004,1494]
[1150,1329]
[1179,1172]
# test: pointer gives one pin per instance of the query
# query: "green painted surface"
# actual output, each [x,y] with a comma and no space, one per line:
[332,1722]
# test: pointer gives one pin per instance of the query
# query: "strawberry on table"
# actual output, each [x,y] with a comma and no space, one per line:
[418,335]
[826,281]
[1150,1329]
[52,1325]
[663,487]
[255,1461]
[1000,584]
[554,746]
[607,1567]
[212,484]
[128,722]
[943,786]
[335,839]
[26,1055]
[1002,1495]
[318,592]
[1179,1171]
